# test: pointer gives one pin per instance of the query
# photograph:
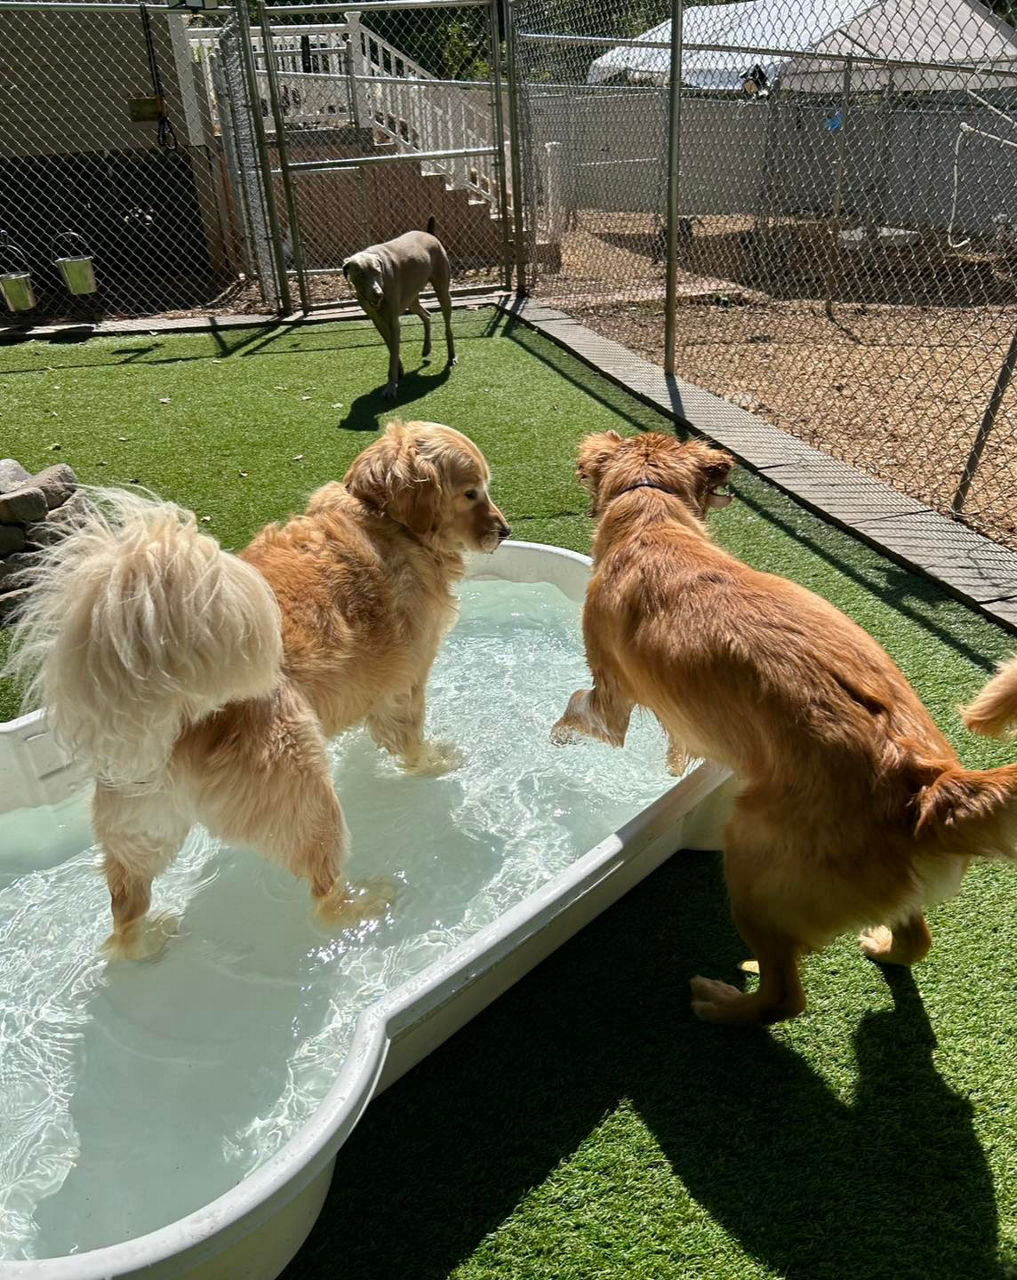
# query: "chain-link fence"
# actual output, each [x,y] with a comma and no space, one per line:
[157,161]
[110,168]
[840,240]
[398,120]
[846,220]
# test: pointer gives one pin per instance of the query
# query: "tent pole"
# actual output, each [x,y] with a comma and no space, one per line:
[673,171]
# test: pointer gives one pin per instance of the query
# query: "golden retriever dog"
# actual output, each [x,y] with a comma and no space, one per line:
[200,686]
[994,710]
[854,810]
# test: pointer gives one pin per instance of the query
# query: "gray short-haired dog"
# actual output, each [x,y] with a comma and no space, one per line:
[388,279]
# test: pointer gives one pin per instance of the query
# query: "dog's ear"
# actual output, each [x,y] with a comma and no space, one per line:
[393,477]
[713,467]
[346,267]
[593,455]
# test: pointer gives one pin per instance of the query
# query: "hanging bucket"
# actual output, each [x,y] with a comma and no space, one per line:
[15,284]
[76,268]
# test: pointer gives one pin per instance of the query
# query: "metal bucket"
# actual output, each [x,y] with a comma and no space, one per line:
[16,286]
[79,277]
[76,269]
[15,280]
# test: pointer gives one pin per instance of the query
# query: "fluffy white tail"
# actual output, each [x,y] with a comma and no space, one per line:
[136,625]
[994,709]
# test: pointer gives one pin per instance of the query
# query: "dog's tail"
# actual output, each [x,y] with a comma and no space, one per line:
[431,224]
[974,811]
[994,710]
[970,811]
[136,625]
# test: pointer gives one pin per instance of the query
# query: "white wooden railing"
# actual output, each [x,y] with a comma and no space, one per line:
[357,77]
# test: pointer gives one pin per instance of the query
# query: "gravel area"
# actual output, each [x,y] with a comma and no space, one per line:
[897,390]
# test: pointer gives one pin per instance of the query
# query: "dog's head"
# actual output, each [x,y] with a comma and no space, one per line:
[364,272]
[433,481]
[609,464]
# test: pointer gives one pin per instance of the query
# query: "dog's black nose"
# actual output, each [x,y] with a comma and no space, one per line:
[504,532]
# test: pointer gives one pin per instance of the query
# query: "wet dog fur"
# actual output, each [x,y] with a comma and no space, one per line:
[202,687]
[854,810]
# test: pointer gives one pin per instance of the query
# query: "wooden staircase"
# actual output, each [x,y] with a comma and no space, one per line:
[343,210]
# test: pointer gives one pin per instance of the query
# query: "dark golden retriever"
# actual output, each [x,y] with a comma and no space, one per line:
[854,811]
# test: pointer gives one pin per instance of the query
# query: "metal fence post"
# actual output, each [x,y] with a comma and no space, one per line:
[296,244]
[354,57]
[985,427]
[261,143]
[673,176]
[838,193]
[516,142]
[498,116]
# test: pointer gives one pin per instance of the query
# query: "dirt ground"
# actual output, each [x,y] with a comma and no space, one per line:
[898,390]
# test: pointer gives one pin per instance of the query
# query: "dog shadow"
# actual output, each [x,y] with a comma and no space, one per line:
[810,1183]
[367,412]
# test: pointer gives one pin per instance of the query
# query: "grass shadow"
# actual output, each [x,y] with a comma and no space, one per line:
[894,1184]
[367,412]
[589,380]
[907,593]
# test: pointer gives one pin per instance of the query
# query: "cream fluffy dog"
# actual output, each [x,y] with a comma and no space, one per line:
[200,686]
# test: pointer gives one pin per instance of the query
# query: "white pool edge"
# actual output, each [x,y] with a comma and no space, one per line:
[402,1028]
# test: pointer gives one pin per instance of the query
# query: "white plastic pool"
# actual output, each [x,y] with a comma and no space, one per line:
[252,1228]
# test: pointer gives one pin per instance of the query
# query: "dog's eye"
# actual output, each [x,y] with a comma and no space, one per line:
[471,494]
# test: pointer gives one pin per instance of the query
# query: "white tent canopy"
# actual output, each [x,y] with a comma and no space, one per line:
[938,33]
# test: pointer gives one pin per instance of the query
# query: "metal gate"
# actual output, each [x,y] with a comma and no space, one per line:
[369,121]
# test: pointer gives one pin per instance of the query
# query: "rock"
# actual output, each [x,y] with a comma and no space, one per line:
[10,601]
[44,533]
[71,513]
[20,506]
[57,484]
[12,475]
[16,562]
[12,538]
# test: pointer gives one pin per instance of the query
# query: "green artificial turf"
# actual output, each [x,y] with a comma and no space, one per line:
[586,1126]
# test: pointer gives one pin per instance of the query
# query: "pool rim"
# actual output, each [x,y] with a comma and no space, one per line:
[251,1203]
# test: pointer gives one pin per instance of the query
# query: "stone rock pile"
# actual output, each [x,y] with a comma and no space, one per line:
[35,512]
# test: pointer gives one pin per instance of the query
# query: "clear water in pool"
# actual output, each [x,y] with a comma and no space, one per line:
[133,1093]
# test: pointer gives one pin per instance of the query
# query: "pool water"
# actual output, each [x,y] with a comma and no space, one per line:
[133,1093]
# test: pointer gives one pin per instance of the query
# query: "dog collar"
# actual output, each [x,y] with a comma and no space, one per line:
[645,484]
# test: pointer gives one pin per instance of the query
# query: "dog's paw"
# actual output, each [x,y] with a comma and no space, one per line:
[389,392]
[572,725]
[433,759]
[143,939]
[876,943]
[564,734]
[713,1001]
[885,947]
[678,760]
[451,364]
[348,904]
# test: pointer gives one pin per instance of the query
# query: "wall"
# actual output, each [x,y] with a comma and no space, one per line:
[738,157]
[65,80]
